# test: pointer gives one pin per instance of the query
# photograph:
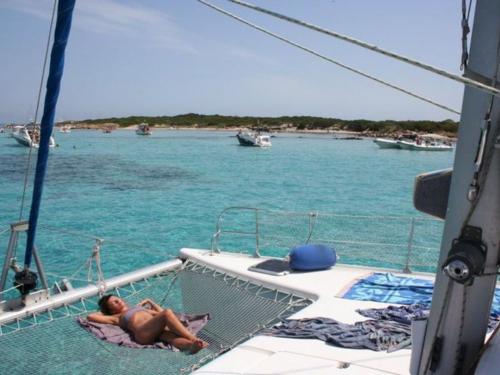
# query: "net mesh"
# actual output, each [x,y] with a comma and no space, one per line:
[53,343]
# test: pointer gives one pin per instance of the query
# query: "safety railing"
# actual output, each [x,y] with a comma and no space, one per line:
[71,259]
[396,242]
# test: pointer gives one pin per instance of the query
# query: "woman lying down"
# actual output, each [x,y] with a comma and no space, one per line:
[147,323]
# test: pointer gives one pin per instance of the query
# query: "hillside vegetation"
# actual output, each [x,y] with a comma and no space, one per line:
[283,123]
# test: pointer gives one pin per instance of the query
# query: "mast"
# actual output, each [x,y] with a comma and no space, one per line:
[461,302]
[61,34]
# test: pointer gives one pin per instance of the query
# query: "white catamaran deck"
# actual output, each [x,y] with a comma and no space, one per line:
[273,355]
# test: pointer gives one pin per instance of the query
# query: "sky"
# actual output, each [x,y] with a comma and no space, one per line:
[168,57]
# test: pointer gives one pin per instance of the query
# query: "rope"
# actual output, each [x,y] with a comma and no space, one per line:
[458,352]
[70,232]
[5,291]
[317,54]
[444,308]
[28,164]
[70,278]
[172,283]
[101,282]
[313,216]
[95,255]
[441,72]
[484,157]
[465,32]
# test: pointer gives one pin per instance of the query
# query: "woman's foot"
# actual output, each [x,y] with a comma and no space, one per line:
[197,345]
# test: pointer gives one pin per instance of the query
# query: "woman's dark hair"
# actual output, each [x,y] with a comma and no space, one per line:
[103,304]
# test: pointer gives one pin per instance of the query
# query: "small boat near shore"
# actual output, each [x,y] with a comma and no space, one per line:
[426,142]
[252,139]
[143,129]
[29,136]
[424,146]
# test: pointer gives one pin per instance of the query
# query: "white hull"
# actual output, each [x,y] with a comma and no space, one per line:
[386,143]
[275,355]
[23,138]
[423,147]
[253,140]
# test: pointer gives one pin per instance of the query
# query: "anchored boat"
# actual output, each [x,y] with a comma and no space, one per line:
[426,142]
[253,139]
[29,136]
[143,129]
[424,145]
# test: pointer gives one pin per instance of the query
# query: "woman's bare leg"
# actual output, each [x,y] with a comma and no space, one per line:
[175,325]
[182,343]
[148,332]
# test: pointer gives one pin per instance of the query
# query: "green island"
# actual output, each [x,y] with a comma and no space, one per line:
[284,123]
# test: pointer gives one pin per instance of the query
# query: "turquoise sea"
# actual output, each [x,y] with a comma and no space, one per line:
[150,196]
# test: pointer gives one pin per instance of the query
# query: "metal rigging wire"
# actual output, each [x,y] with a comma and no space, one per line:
[42,79]
[327,58]
[441,72]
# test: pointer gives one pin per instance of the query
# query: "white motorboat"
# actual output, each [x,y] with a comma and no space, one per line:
[143,129]
[253,139]
[416,143]
[424,145]
[386,143]
[29,136]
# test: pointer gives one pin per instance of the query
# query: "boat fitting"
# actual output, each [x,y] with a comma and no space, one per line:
[467,256]
[25,281]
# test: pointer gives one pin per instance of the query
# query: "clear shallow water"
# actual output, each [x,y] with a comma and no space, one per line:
[154,195]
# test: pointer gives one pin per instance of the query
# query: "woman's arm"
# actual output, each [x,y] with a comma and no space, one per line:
[154,306]
[103,319]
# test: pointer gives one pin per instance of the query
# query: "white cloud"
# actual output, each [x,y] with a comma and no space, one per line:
[114,18]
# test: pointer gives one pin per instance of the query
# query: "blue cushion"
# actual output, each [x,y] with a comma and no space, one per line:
[312,257]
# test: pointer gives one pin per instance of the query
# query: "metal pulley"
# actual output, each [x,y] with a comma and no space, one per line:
[467,256]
